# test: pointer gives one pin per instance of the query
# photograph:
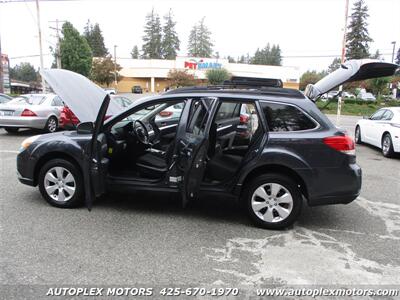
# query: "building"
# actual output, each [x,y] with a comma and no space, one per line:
[152,74]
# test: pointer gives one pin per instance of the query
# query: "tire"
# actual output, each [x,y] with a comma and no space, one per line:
[11,129]
[273,212]
[387,146]
[61,173]
[357,135]
[51,125]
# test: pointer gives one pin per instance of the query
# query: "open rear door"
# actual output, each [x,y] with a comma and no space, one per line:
[192,145]
[351,70]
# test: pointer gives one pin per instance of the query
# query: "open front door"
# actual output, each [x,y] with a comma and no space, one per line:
[96,160]
[192,145]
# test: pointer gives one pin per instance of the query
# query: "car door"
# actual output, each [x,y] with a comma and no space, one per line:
[372,127]
[191,146]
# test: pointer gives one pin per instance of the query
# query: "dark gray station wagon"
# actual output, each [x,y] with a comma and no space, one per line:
[268,147]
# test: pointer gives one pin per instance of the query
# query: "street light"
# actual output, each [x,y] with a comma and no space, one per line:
[394,46]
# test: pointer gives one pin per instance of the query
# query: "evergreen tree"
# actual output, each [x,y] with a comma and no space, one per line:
[95,39]
[170,40]
[397,60]
[24,72]
[358,37]
[151,47]
[135,52]
[76,54]
[200,44]
[377,55]
[334,65]
[267,56]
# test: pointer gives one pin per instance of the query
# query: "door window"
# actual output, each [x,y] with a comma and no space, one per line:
[378,115]
[283,117]
[57,102]
[387,116]
[198,117]
[228,110]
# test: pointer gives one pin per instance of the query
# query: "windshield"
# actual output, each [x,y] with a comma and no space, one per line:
[30,100]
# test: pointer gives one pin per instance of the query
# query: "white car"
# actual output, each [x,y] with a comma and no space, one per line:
[366,96]
[382,130]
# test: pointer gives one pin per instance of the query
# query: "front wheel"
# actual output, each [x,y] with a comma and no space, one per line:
[387,146]
[273,201]
[61,183]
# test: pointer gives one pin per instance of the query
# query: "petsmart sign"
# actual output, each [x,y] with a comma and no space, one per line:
[193,63]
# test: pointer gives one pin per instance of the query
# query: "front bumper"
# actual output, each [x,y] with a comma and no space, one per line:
[23,122]
[25,168]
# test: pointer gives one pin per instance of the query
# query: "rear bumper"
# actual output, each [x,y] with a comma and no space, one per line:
[23,122]
[336,186]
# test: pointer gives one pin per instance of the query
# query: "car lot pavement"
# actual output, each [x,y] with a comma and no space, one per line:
[144,240]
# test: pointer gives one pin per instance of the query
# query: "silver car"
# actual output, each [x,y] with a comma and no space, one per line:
[40,111]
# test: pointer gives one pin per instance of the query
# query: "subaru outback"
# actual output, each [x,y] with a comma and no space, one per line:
[284,151]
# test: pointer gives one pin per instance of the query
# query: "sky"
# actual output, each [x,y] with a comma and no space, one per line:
[302,28]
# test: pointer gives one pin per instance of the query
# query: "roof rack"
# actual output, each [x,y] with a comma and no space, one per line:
[242,89]
[253,82]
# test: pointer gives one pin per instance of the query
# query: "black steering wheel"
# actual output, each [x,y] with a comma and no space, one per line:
[141,132]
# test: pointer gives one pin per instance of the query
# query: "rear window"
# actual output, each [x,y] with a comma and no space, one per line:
[282,117]
[31,100]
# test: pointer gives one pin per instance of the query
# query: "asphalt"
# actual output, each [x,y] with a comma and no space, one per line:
[147,240]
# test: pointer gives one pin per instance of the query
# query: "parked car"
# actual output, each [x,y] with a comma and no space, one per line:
[382,130]
[68,120]
[137,89]
[295,151]
[348,95]
[40,111]
[111,91]
[366,96]
[4,98]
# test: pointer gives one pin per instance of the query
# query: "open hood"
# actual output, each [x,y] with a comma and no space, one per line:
[80,94]
[351,70]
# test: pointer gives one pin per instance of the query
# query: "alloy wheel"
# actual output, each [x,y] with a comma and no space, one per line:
[52,125]
[272,202]
[386,144]
[59,184]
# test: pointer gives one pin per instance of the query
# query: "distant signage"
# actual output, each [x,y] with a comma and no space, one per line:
[202,64]
[6,73]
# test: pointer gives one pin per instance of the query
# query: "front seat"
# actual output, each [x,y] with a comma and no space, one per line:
[154,164]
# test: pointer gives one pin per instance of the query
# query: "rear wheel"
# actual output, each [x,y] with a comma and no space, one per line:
[387,146]
[273,201]
[11,129]
[51,124]
[357,135]
[61,183]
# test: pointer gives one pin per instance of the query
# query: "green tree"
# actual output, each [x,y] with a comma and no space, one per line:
[378,86]
[179,78]
[151,47]
[358,38]
[95,39]
[267,56]
[200,44]
[231,59]
[170,40]
[377,55]
[310,77]
[334,65]
[24,72]
[103,70]
[135,52]
[76,54]
[217,76]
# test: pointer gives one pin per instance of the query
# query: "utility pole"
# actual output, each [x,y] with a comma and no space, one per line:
[339,106]
[394,47]
[40,44]
[58,50]
[115,67]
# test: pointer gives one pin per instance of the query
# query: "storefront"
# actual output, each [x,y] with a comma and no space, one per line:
[152,74]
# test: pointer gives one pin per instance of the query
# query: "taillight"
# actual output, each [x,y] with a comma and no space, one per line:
[165,113]
[244,119]
[343,144]
[28,113]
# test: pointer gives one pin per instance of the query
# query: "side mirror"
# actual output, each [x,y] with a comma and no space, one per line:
[85,128]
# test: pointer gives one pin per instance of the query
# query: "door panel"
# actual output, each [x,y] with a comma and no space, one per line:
[191,146]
